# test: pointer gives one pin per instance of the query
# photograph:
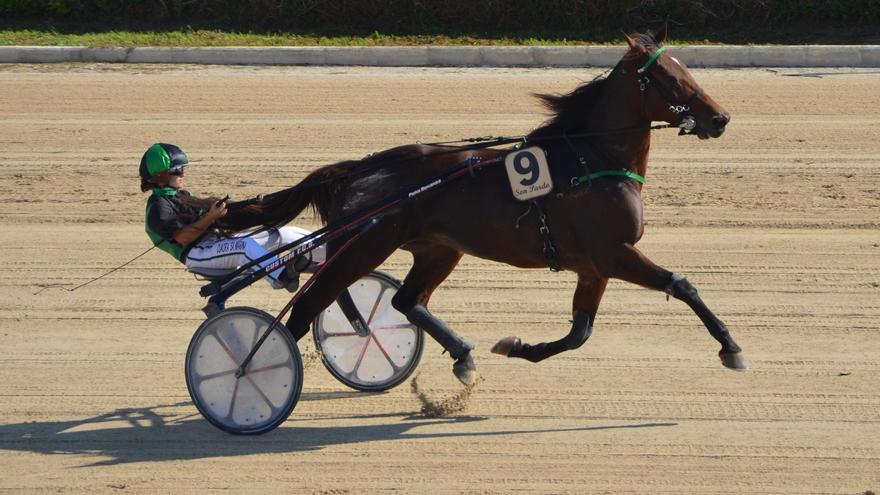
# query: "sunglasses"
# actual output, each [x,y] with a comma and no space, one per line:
[177,172]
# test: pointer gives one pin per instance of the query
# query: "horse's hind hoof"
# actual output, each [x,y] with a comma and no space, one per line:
[465,370]
[507,345]
[734,360]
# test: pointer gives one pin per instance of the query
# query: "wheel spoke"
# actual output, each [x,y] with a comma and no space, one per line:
[211,376]
[331,335]
[399,326]
[262,395]
[251,371]
[257,334]
[376,305]
[226,348]
[232,400]
[360,359]
[385,353]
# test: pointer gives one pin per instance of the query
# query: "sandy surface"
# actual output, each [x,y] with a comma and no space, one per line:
[776,223]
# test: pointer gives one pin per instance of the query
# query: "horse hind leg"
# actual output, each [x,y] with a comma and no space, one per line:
[361,257]
[585,304]
[464,367]
[431,265]
[581,329]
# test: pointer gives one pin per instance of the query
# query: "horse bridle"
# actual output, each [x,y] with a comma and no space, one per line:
[687,123]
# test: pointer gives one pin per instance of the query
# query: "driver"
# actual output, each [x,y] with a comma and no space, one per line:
[180,224]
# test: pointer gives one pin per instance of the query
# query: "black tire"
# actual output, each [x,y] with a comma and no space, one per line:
[386,357]
[265,396]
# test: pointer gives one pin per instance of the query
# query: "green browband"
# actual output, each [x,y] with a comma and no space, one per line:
[605,173]
[651,60]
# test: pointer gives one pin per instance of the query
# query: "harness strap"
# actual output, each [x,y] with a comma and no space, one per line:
[580,157]
[653,59]
[605,173]
[549,248]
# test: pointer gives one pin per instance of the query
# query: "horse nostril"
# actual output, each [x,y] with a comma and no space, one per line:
[720,120]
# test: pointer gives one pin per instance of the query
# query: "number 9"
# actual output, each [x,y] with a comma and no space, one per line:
[526,163]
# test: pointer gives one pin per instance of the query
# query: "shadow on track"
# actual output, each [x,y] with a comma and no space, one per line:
[146,435]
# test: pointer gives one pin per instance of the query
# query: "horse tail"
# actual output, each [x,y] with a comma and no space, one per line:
[330,182]
[283,206]
[273,209]
[321,189]
[343,179]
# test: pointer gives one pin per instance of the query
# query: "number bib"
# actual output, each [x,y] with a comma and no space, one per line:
[529,173]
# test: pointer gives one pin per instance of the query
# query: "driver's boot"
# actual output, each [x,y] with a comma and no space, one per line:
[289,277]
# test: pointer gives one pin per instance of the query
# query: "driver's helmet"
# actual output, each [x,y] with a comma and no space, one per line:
[162,157]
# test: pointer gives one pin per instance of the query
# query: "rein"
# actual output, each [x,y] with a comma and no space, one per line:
[489,141]
[486,142]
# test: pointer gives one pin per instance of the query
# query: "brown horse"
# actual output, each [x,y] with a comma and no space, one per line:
[597,144]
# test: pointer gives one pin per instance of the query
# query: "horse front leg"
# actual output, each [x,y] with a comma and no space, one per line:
[629,264]
[586,300]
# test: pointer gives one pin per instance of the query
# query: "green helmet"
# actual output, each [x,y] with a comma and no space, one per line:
[162,157]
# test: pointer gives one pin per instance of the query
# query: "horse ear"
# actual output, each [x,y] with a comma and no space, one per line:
[629,41]
[661,35]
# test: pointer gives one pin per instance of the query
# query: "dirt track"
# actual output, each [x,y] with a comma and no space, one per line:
[776,223]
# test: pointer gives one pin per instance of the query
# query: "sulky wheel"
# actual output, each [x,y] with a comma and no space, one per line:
[385,348]
[265,395]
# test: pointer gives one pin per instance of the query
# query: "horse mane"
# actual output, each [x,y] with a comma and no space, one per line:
[569,109]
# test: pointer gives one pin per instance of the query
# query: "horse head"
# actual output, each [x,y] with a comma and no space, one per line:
[667,90]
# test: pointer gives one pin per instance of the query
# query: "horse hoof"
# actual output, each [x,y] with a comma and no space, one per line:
[465,370]
[506,345]
[734,360]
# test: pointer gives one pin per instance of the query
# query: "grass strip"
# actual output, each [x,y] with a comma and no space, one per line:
[98,36]
[203,37]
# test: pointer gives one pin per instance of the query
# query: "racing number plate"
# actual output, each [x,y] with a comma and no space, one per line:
[529,173]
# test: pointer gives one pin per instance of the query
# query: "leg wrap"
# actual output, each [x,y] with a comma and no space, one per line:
[445,336]
[581,329]
[680,288]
